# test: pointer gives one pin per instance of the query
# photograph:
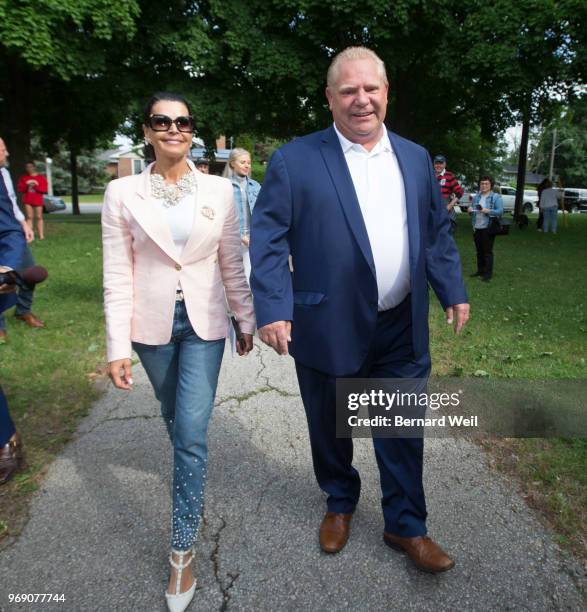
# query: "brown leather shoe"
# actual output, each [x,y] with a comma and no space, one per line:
[3,336]
[10,458]
[425,553]
[30,319]
[334,531]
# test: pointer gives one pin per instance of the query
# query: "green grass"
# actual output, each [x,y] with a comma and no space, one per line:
[93,198]
[529,322]
[46,374]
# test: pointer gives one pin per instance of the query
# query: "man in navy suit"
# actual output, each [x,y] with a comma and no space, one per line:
[359,210]
[13,235]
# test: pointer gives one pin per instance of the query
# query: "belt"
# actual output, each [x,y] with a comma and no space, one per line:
[179,296]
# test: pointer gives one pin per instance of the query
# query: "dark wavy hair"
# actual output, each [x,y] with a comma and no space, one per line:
[487,178]
[168,96]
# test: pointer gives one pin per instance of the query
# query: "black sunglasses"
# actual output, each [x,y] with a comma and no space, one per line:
[162,123]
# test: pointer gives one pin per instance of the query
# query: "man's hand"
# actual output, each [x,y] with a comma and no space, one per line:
[277,335]
[28,232]
[459,313]
[120,374]
[6,288]
[248,338]
[246,240]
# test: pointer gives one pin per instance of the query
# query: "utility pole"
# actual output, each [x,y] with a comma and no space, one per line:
[49,173]
[551,172]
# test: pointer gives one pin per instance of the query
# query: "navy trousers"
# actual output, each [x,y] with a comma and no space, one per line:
[7,428]
[399,459]
[24,295]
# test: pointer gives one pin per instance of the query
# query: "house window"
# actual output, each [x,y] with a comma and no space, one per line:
[138,165]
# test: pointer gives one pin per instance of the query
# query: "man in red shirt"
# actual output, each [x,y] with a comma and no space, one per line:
[450,188]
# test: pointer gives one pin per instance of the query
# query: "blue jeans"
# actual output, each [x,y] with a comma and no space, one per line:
[549,219]
[24,299]
[184,375]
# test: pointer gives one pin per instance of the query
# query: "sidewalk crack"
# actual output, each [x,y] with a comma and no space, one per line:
[232,577]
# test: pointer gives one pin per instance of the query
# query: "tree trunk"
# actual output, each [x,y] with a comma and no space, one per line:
[74,188]
[521,181]
[400,116]
[18,105]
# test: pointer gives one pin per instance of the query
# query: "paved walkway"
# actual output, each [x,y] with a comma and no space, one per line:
[98,530]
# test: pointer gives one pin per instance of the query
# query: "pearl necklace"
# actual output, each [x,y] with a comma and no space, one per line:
[172,193]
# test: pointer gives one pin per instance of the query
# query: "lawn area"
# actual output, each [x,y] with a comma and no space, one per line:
[528,323]
[45,372]
[85,199]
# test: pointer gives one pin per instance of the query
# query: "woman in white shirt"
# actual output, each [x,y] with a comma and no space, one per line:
[171,260]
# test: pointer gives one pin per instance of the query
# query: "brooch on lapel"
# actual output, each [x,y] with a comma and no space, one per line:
[208,212]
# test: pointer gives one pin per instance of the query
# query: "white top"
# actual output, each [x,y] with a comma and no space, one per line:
[549,198]
[10,187]
[481,221]
[380,191]
[181,220]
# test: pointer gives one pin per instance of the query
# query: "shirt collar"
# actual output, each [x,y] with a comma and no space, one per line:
[383,145]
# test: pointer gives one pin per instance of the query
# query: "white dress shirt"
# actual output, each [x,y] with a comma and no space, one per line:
[10,187]
[380,191]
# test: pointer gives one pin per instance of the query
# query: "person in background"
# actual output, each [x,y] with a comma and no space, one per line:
[172,261]
[13,219]
[33,186]
[486,204]
[246,190]
[539,190]
[203,165]
[10,443]
[13,236]
[549,203]
[450,189]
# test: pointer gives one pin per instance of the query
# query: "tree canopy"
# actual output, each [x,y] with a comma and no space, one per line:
[459,72]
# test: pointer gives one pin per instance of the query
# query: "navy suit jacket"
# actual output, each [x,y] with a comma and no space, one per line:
[12,244]
[308,208]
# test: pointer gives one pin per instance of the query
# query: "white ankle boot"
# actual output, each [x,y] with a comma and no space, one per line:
[178,602]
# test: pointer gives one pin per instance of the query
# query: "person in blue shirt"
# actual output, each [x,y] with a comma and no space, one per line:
[246,190]
[486,204]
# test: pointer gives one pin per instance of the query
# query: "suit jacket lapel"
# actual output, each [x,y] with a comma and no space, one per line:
[343,183]
[150,216]
[411,193]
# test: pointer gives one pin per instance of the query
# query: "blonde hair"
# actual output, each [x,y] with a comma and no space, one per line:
[354,53]
[234,155]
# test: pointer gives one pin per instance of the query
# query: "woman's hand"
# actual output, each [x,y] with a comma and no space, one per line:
[120,374]
[248,340]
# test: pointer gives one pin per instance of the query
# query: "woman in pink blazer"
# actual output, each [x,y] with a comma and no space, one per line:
[172,259]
